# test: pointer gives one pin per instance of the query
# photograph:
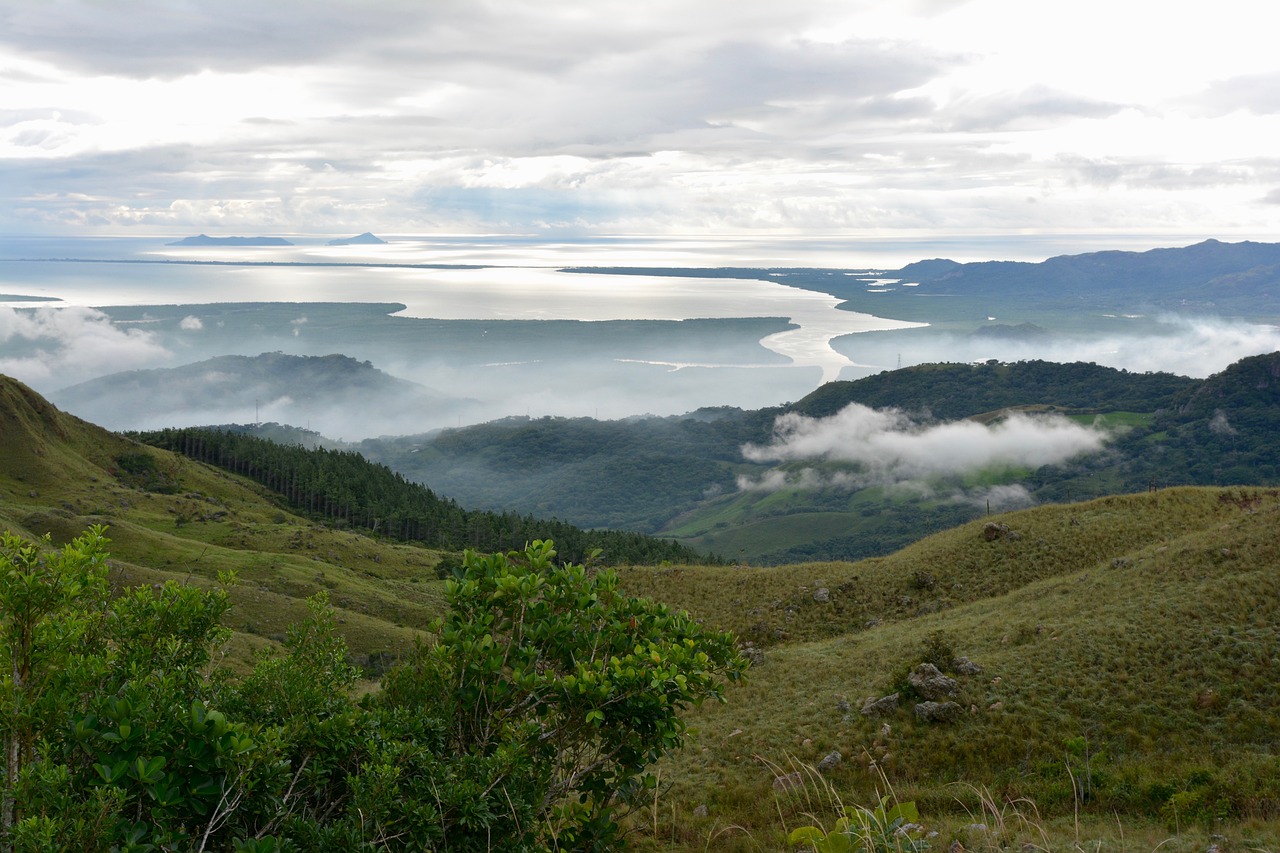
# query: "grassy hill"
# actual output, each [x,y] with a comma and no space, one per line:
[173,518]
[1127,649]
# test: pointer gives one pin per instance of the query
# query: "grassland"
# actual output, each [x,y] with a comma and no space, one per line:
[1128,649]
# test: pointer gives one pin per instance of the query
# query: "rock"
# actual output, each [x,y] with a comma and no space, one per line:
[992,531]
[788,782]
[964,666]
[753,654]
[700,811]
[938,712]
[830,761]
[931,684]
[822,595]
[882,707]
[842,704]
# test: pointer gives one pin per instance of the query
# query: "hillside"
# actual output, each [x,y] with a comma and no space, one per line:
[169,517]
[1211,274]
[1125,645]
[680,476]
[333,394]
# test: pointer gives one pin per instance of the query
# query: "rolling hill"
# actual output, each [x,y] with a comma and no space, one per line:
[1113,660]
[680,476]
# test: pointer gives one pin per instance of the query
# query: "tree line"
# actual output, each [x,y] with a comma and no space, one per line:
[343,487]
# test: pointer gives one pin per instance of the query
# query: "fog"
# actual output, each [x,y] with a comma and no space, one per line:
[50,347]
[1187,346]
[888,447]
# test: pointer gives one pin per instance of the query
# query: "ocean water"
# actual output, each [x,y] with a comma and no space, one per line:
[522,284]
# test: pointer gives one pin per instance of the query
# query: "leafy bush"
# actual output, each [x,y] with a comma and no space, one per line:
[531,717]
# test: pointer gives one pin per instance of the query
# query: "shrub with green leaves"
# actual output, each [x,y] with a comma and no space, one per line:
[529,719]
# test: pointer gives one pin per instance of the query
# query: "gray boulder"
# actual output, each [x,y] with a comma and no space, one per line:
[882,707]
[931,684]
[938,712]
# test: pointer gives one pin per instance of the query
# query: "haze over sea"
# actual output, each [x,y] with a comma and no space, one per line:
[772,342]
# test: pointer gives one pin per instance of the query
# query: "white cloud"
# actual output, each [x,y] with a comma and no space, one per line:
[882,446]
[191,323]
[656,117]
[49,348]
[1186,346]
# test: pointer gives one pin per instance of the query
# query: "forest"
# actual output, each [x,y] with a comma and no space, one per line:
[345,488]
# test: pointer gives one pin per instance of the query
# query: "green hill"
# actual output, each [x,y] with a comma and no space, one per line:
[679,476]
[1126,647]
[169,517]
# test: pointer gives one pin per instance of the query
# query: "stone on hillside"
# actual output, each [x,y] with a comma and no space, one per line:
[938,712]
[788,782]
[882,707]
[700,811]
[992,531]
[822,595]
[931,684]
[753,654]
[964,666]
[830,761]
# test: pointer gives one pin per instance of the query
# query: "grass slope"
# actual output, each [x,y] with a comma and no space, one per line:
[1127,644]
[59,474]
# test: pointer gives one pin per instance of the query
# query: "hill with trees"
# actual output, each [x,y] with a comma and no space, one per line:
[1082,674]
[679,476]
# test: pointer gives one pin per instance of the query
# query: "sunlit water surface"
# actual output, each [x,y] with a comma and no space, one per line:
[140,272]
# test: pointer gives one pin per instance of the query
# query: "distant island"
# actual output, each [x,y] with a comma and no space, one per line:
[365,239]
[206,240]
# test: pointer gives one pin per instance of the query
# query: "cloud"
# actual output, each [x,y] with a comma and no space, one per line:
[191,323]
[713,117]
[1187,346]
[49,348]
[883,446]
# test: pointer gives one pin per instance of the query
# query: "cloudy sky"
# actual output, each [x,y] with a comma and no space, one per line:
[891,118]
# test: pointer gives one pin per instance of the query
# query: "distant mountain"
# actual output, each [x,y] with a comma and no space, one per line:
[206,240]
[334,394]
[1211,274]
[365,239]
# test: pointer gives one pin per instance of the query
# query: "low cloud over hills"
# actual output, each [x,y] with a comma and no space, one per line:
[334,394]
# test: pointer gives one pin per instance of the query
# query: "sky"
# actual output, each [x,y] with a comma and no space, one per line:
[884,119]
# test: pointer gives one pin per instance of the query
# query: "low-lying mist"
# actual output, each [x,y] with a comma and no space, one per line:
[859,447]
[1187,346]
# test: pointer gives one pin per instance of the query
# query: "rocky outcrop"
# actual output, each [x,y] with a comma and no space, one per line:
[929,682]
[938,712]
[882,707]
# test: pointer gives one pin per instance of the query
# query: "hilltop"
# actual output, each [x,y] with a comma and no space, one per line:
[365,239]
